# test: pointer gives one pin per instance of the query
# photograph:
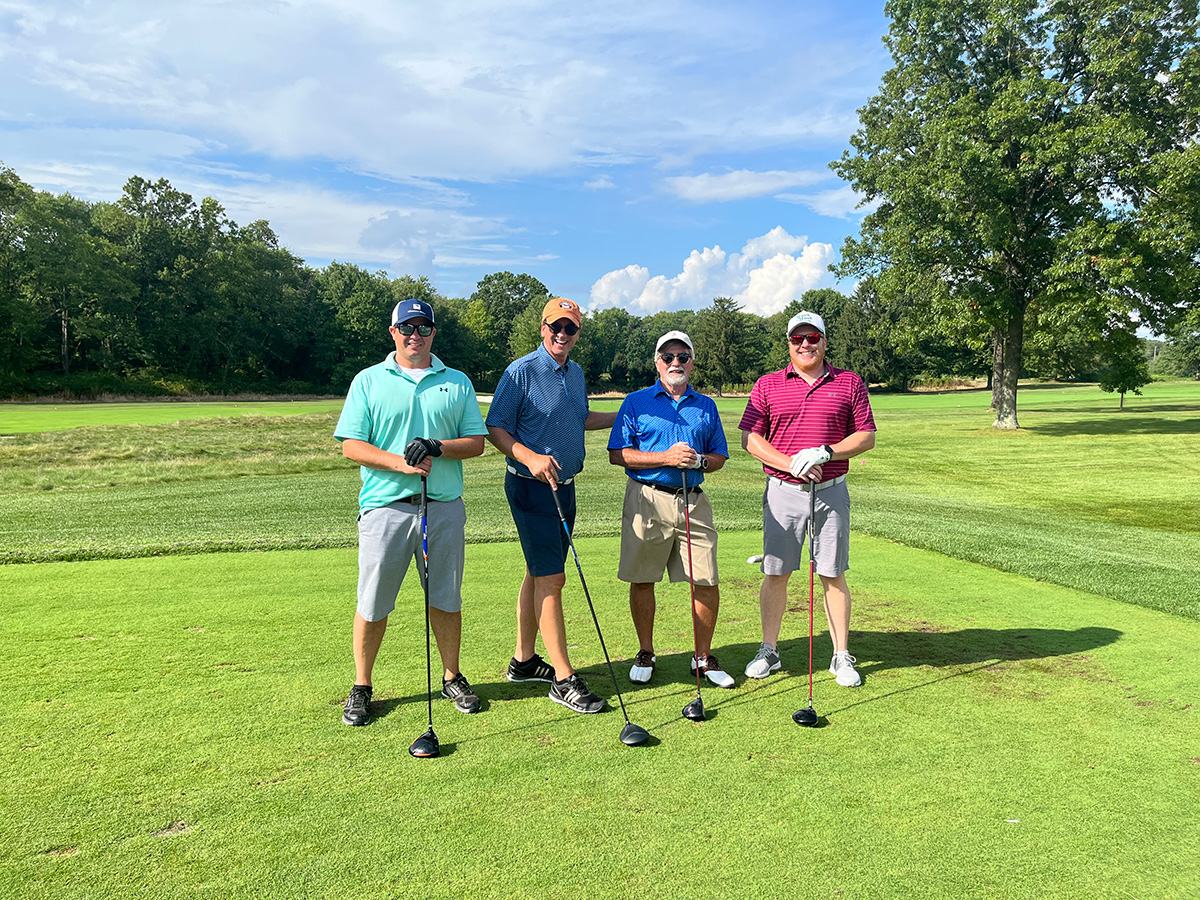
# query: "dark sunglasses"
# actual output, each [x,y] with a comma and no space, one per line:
[668,358]
[569,327]
[406,329]
[811,339]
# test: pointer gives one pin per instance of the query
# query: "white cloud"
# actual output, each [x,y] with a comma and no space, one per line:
[739,185]
[603,183]
[770,271]
[839,203]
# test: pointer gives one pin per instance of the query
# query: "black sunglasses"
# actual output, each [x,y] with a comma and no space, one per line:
[812,339]
[569,327]
[669,358]
[406,329]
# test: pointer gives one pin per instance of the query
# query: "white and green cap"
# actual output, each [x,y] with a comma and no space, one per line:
[674,336]
[804,317]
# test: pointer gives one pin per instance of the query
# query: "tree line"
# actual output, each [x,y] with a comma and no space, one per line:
[155,294]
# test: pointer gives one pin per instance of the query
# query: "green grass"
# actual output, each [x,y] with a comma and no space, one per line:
[22,418]
[173,730]
[1082,496]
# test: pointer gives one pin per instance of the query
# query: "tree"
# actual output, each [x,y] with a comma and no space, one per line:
[1032,159]
[1127,369]
[722,336]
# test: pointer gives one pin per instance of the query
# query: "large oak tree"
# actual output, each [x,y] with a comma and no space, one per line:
[1032,162]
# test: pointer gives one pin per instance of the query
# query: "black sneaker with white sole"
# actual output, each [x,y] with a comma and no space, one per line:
[460,691]
[533,669]
[358,706]
[572,693]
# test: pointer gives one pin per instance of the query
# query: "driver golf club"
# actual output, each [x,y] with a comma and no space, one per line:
[426,746]
[808,716]
[631,735]
[694,711]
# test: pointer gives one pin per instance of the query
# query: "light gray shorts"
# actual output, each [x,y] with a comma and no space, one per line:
[785,528]
[389,538]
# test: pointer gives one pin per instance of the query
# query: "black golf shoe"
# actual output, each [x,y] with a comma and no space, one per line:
[533,669]
[358,706]
[572,693]
[459,690]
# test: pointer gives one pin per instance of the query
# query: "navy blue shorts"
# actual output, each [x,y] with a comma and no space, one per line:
[543,540]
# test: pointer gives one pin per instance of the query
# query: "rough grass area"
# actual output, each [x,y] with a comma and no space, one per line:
[1083,496]
[173,730]
[22,418]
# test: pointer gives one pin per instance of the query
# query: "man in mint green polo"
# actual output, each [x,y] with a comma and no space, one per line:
[409,416]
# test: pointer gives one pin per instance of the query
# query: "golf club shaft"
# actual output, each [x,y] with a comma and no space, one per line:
[687,530]
[588,596]
[812,577]
[425,583]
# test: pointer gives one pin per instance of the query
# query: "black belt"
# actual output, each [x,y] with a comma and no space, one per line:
[415,500]
[668,490]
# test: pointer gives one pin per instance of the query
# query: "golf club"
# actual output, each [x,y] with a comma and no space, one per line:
[631,735]
[808,716]
[694,711]
[426,745]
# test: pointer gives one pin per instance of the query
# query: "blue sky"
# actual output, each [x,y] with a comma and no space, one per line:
[646,155]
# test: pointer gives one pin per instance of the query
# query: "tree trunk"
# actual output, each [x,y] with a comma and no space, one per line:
[1006,370]
[997,366]
[66,346]
[1122,404]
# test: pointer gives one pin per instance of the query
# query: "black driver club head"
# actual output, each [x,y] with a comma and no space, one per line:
[633,735]
[426,746]
[694,711]
[806,717]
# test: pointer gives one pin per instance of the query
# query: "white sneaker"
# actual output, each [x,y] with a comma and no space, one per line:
[842,665]
[643,667]
[711,669]
[765,661]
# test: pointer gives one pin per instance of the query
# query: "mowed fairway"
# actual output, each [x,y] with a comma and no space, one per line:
[173,725]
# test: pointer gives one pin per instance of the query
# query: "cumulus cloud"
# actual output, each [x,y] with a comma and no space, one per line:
[769,272]
[739,185]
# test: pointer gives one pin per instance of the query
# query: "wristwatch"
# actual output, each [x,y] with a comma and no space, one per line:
[703,461]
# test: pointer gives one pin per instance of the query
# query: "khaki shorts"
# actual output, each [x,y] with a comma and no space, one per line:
[653,536]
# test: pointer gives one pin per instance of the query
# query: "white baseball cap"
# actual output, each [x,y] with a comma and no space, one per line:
[806,318]
[674,336]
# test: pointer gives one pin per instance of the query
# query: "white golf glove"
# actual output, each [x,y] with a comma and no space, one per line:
[813,456]
[696,463]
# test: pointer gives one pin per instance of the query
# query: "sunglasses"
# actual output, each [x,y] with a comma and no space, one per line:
[668,358]
[406,329]
[811,339]
[569,327]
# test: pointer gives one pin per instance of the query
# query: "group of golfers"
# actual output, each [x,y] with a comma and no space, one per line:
[410,421]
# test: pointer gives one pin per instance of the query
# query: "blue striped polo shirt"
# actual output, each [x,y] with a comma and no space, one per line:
[543,405]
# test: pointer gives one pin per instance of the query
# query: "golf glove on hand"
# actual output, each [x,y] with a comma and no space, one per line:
[419,448]
[697,463]
[813,456]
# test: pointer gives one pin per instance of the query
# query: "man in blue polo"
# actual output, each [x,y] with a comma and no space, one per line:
[660,431]
[407,417]
[537,419]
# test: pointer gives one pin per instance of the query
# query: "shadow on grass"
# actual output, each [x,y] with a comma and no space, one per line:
[1121,423]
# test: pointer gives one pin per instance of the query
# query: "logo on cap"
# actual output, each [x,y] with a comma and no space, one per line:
[566,304]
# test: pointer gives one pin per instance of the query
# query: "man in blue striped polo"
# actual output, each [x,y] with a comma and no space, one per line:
[406,417]
[661,430]
[538,415]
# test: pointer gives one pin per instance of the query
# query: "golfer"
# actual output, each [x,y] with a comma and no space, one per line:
[803,423]
[538,415]
[407,417]
[660,431]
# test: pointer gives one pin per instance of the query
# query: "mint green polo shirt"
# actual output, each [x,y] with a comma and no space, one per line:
[386,407]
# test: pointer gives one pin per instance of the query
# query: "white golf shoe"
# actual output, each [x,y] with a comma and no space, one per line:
[711,669]
[765,661]
[842,666]
[643,667]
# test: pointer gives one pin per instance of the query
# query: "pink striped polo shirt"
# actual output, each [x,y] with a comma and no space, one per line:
[793,416]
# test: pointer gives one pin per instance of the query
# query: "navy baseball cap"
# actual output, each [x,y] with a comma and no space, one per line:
[412,309]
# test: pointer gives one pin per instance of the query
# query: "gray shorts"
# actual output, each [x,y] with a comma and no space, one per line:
[785,528]
[389,538]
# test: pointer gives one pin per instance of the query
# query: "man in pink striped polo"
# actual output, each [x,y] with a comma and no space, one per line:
[803,423]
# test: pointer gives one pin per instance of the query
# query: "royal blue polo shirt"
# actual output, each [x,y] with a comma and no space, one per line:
[544,406]
[653,421]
